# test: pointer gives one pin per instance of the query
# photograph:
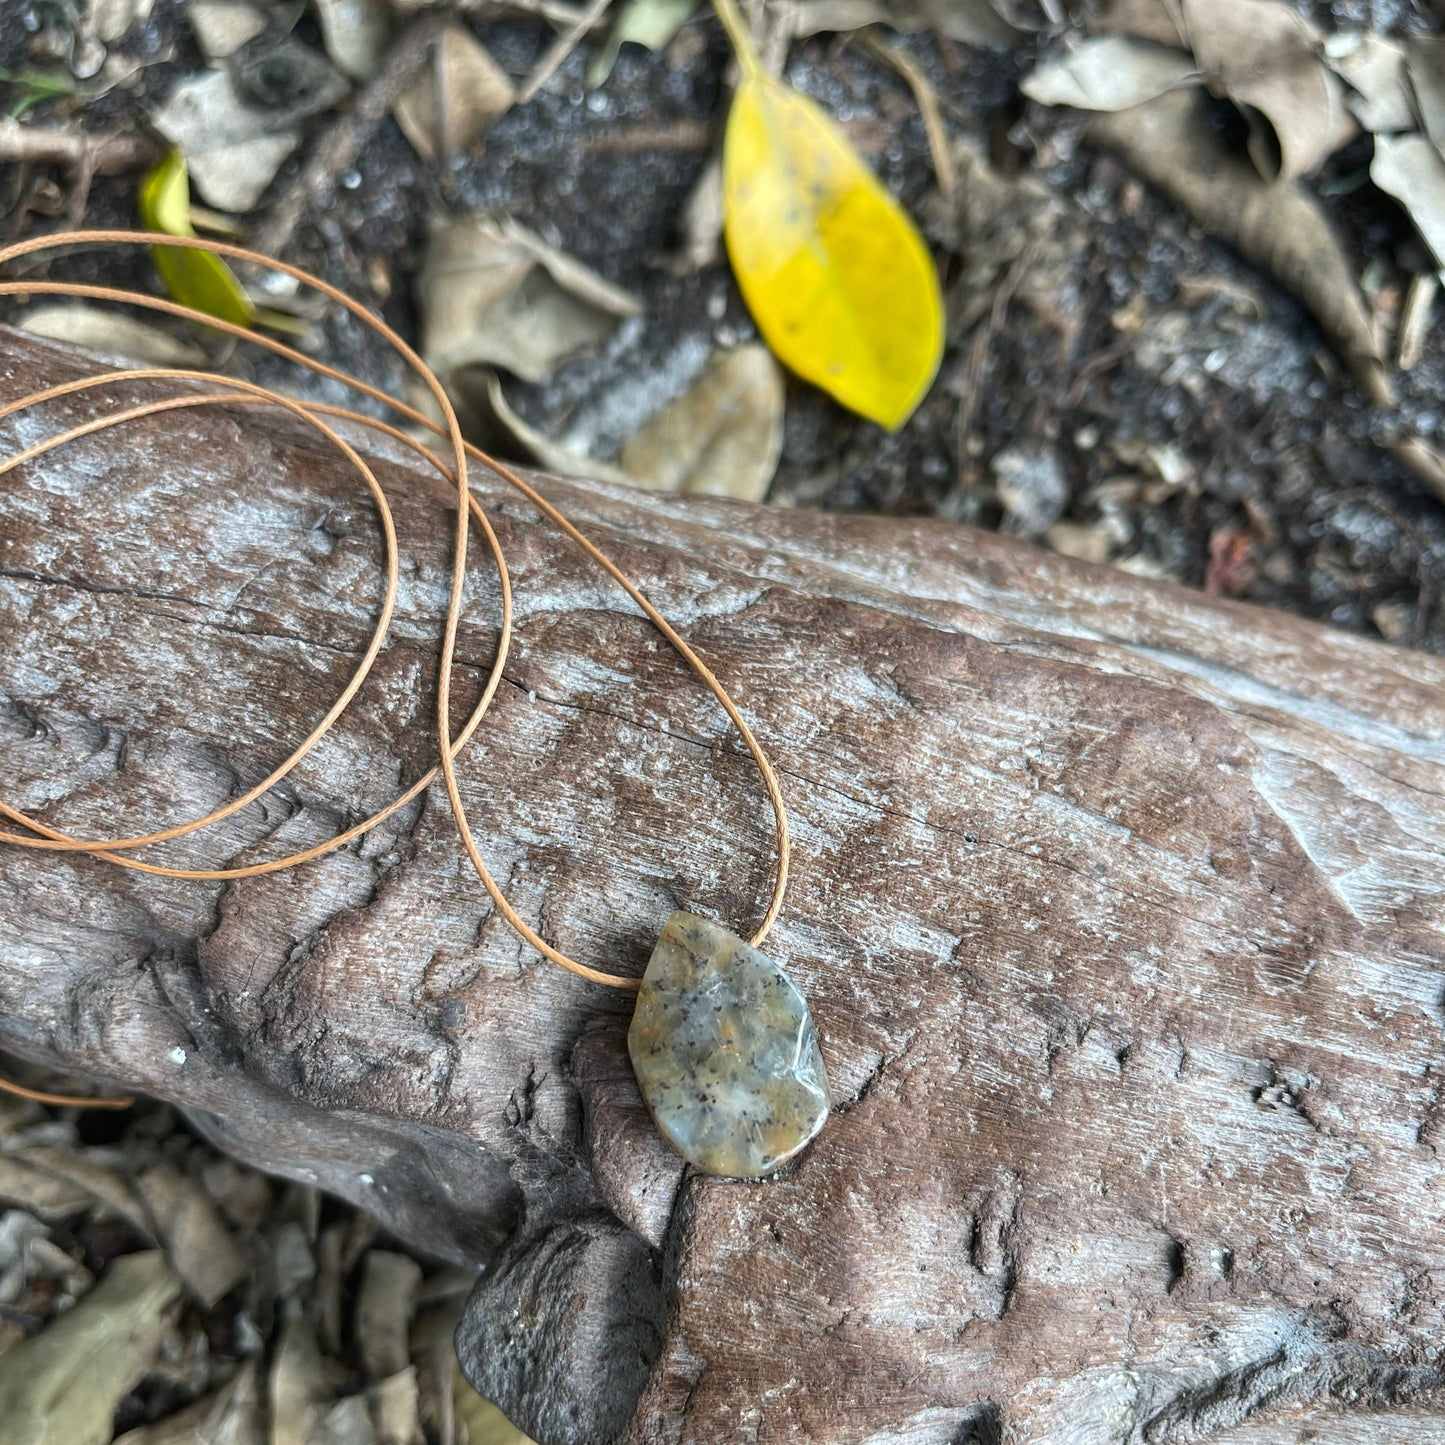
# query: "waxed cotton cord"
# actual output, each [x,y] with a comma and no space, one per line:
[454,469]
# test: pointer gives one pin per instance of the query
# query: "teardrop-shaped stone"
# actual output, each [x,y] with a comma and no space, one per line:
[725,1052]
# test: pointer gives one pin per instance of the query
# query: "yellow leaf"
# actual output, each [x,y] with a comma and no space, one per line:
[836,276]
[194,278]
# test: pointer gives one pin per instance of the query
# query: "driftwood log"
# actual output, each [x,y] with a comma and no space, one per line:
[1121,911]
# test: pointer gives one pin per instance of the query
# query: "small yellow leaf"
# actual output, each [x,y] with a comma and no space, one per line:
[836,276]
[194,278]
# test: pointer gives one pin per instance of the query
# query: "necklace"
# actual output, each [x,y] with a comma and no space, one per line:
[721,1041]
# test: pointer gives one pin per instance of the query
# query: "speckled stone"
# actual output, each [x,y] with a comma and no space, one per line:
[725,1052]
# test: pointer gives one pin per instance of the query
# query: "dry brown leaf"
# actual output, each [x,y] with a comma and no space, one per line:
[457,99]
[243,1195]
[1409,168]
[700,226]
[1415,320]
[222,27]
[355,34]
[229,1416]
[1277,225]
[973,22]
[1261,54]
[493,293]
[188,1225]
[1158,20]
[110,21]
[40,1192]
[395,1409]
[347,1422]
[384,1307]
[532,443]
[1374,68]
[298,1390]
[112,333]
[61,1387]
[722,438]
[1425,63]
[1109,72]
[112,1191]
[233,149]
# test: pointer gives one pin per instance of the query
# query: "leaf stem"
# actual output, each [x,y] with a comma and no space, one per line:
[742,41]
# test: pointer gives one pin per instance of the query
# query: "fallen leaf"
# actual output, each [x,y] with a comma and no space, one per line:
[194,278]
[836,276]
[38,1191]
[456,99]
[237,125]
[395,1409]
[972,22]
[111,333]
[347,1422]
[293,1263]
[62,1386]
[1261,54]
[229,1416]
[492,293]
[110,21]
[1425,65]
[222,27]
[298,1393]
[355,34]
[198,1244]
[384,1308]
[652,23]
[700,226]
[1109,72]
[232,150]
[284,77]
[1415,320]
[1155,20]
[722,438]
[1277,224]
[110,1193]
[1411,170]
[18,1231]
[542,449]
[1374,69]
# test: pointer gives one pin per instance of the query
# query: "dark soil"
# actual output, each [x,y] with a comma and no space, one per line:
[1199,424]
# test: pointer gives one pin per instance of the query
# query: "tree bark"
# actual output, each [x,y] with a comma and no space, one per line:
[1120,910]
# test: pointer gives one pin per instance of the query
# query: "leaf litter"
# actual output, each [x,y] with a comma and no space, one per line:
[140,1278]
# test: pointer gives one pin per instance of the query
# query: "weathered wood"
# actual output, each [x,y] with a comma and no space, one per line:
[1121,912]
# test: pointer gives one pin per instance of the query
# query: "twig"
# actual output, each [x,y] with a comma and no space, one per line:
[682,135]
[928,107]
[561,48]
[983,338]
[109,154]
[344,141]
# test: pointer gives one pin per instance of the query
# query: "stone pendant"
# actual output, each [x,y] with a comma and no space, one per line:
[725,1052]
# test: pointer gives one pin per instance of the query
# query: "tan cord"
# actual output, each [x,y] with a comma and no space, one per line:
[467,508]
[69,1101]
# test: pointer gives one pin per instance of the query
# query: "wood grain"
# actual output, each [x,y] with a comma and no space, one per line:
[1121,912]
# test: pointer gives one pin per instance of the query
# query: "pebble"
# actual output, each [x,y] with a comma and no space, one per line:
[725,1052]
